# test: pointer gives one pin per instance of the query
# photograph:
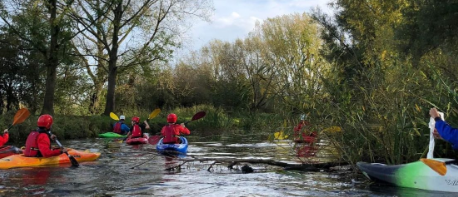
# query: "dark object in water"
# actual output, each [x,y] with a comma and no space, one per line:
[247,169]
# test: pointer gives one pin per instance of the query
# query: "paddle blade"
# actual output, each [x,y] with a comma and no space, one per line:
[114,116]
[20,116]
[198,115]
[280,135]
[153,140]
[73,160]
[154,113]
[437,166]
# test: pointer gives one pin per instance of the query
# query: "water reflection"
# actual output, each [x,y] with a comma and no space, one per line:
[125,170]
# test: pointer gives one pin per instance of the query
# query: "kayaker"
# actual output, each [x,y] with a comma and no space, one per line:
[38,142]
[172,131]
[120,127]
[4,138]
[443,130]
[137,129]
[298,129]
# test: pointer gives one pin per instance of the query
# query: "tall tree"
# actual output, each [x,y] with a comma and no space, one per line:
[135,32]
[30,13]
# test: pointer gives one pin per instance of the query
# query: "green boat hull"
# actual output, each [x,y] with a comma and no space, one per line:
[111,135]
[413,175]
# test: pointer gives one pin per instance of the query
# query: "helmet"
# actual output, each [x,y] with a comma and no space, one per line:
[136,119]
[122,117]
[45,121]
[172,118]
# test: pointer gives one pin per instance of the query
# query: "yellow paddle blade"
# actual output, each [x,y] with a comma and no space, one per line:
[437,166]
[333,129]
[280,135]
[154,113]
[20,116]
[113,116]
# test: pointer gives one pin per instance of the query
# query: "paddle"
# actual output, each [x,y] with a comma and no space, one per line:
[435,165]
[438,166]
[197,116]
[19,117]
[152,115]
[114,116]
[72,159]
[153,140]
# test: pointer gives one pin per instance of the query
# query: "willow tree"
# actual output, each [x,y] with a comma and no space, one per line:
[292,50]
[133,33]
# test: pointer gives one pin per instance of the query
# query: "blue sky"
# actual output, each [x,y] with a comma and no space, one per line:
[234,19]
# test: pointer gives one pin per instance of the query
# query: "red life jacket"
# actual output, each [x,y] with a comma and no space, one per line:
[117,127]
[136,131]
[31,145]
[169,135]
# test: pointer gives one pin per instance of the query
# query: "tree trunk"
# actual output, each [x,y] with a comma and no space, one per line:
[113,54]
[52,62]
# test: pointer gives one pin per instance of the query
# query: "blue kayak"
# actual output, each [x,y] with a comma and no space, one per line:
[178,148]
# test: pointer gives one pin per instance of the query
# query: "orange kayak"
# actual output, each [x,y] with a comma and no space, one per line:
[19,161]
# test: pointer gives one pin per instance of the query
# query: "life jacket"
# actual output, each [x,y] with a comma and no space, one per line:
[117,127]
[169,135]
[31,145]
[136,131]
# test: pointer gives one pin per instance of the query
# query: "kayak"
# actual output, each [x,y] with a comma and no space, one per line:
[179,148]
[111,135]
[9,150]
[138,140]
[18,161]
[306,139]
[413,175]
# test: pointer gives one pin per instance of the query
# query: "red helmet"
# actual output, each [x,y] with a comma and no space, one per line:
[172,118]
[45,121]
[136,119]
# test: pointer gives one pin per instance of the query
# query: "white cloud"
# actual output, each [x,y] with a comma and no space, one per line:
[236,18]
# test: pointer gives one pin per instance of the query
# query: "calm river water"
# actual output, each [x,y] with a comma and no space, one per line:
[111,174]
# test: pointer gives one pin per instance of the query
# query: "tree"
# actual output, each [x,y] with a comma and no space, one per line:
[150,27]
[30,14]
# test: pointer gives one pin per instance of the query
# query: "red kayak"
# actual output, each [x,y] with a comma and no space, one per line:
[138,140]
[307,138]
[9,150]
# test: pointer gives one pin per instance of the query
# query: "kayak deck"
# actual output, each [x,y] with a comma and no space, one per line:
[18,161]
[413,175]
[181,148]
[111,135]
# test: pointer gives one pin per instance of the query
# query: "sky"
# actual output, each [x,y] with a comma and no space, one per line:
[234,19]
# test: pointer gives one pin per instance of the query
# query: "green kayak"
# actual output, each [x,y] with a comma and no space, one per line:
[111,135]
[414,175]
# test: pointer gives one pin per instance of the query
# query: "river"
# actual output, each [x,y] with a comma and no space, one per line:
[125,170]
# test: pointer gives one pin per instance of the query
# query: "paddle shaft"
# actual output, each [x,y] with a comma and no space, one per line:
[72,159]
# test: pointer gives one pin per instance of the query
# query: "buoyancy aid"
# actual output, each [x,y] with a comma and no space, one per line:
[31,145]
[136,131]
[117,127]
[169,135]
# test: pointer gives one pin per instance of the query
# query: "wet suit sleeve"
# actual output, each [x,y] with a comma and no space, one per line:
[44,145]
[125,128]
[447,133]
[184,130]
[4,139]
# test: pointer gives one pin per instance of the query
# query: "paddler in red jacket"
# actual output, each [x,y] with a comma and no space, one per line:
[172,131]
[137,130]
[38,142]
[4,138]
